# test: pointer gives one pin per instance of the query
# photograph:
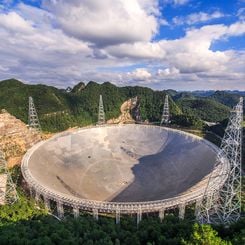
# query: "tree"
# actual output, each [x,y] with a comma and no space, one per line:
[205,235]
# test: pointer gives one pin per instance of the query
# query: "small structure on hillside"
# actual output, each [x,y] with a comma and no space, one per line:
[33,120]
[101,113]
[165,113]
[8,193]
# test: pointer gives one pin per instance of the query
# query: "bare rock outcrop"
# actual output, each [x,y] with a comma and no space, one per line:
[125,109]
[15,138]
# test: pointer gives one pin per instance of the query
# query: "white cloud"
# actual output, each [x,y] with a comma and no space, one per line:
[163,22]
[241,14]
[139,74]
[37,53]
[172,71]
[34,48]
[188,54]
[38,16]
[2,68]
[143,50]
[197,18]
[181,2]
[108,21]
[12,21]
[192,53]
[176,2]
[236,29]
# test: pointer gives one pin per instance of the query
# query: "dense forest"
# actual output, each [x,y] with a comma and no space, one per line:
[59,109]
[25,223]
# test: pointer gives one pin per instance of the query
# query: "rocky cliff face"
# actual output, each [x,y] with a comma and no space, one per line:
[126,109]
[15,138]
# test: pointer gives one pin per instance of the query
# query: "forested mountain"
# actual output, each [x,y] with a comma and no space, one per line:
[225,98]
[59,109]
[14,98]
[206,109]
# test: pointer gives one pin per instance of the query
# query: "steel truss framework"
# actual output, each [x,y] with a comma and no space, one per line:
[101,113]
[115,208]
[165,113]
[137,113]
[33,120]
[221,203]
[8,193]
[136,109]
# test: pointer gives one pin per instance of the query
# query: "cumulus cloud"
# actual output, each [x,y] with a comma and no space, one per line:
[106,22]
[139,74]
[15,23]
[144,50]
[189,54]
[33,52]
[172,71]
[36,46]
[197,18]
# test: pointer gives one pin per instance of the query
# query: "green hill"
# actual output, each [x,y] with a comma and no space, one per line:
[205,109]
[14,98]
[184,95]
[59,109]
[225,98]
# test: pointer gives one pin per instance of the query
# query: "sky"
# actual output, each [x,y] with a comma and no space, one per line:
[161,44]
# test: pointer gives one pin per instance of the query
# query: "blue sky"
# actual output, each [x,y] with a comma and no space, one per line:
[178,44]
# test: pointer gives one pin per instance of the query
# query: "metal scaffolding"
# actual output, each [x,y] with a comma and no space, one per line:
[60,210]
[165,113]
[101,113]
[76,211]
[8,193]
[221,203]
[117,216]
[136,109]
[33,120]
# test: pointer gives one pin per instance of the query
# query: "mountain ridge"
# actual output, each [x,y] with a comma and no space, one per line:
[59,109]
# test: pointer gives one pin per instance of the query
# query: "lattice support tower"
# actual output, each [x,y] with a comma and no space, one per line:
[8,193]
[33,120]
[47,203]
[161,214]
[137,113]
[117,216]
[60,210]
[76,211]
[95,213]
[101,113]
[221,203]
[136,108]
[139,215]
[165,113]
[182,211]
